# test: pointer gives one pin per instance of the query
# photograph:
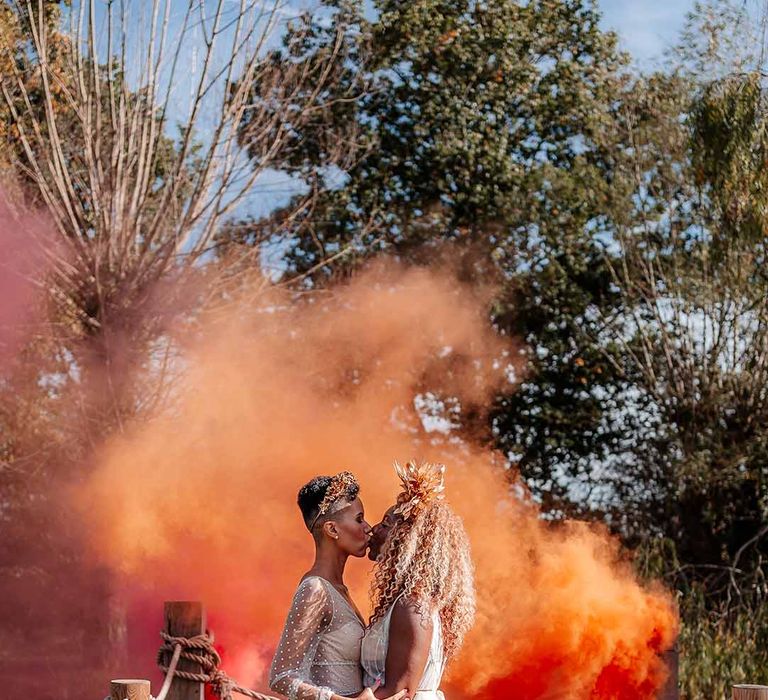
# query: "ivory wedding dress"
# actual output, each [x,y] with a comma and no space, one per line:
[373,656]
[319,650]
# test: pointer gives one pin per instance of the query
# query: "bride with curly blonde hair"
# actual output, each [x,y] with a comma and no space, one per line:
[422,594]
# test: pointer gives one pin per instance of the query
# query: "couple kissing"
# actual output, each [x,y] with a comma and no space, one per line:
[422,594]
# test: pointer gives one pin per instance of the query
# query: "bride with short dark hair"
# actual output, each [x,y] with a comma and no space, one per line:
[318,657]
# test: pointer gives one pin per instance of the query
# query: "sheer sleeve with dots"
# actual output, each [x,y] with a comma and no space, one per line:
[310,615]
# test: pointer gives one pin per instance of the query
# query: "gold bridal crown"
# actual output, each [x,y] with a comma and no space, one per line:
[422,484]
[340,486]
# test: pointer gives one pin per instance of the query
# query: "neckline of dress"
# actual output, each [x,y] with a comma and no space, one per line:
[351,607]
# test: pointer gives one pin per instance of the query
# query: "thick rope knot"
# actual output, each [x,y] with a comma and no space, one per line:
[199,650]
[221,685]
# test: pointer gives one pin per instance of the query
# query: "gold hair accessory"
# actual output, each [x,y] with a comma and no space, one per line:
[340,485]
[422,484]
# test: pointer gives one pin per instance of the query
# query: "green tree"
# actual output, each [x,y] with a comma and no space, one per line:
[480,137]
[510,138]
[135,187]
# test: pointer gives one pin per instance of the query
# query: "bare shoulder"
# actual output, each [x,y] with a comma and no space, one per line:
[408,613]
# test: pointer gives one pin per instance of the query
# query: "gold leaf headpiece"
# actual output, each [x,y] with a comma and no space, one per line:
[422,484]
[341,484]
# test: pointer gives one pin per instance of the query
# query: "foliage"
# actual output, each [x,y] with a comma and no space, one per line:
[135,188]
[719,650]
[481,127]
[620,216]
[688,262]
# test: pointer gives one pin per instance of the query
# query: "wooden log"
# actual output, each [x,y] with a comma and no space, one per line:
[129,689]
[185,619]
[750,692]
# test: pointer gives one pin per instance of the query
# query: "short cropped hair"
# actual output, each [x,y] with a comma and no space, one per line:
[311,495]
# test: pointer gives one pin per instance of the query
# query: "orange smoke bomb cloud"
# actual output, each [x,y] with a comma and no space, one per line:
[200,502]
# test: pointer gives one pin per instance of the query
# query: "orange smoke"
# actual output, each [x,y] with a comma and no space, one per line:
[200,502]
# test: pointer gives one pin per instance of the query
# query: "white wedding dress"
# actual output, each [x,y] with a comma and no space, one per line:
[373,656]
[319,650]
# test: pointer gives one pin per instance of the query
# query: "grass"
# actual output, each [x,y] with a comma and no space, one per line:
[721,648]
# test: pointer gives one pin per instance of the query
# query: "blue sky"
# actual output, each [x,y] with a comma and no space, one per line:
[646,27]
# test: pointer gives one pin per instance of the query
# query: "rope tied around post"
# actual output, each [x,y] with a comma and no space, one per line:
[200,650]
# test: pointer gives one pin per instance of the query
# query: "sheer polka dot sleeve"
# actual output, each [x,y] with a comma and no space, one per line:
[311,613]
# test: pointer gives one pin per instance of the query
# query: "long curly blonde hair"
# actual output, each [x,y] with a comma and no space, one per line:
[426,558]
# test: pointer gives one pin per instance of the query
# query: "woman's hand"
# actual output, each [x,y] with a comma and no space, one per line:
[367,694]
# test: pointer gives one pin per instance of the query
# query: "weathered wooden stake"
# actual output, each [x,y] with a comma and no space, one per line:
[750,692]
[670,691]
[129,689]
[185,619]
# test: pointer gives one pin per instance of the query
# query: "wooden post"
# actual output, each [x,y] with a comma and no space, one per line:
[129,689]
[670,691]
[185,619]
[117,630]
[750,692]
